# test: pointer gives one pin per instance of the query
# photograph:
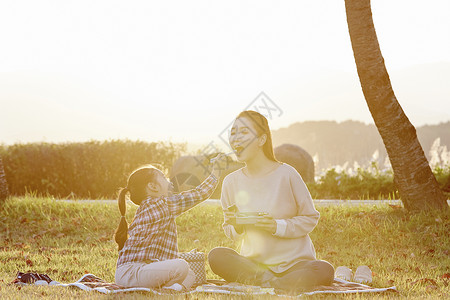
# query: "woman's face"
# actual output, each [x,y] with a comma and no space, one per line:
[244,139]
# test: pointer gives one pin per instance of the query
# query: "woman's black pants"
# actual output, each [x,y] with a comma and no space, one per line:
[234,267]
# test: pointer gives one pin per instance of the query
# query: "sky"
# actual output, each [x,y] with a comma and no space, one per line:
[180,71]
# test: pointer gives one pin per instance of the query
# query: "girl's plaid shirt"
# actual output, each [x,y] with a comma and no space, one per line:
[153,232]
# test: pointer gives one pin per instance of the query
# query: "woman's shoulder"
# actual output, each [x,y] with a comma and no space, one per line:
[233,175]
[289,170]
[284,167]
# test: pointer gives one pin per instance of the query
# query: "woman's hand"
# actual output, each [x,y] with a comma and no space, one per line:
[229,216]
[268,224]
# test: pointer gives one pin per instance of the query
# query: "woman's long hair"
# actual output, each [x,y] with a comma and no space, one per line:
[136,186]
[261,126]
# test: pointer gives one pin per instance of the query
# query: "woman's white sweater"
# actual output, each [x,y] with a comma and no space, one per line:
[282,194]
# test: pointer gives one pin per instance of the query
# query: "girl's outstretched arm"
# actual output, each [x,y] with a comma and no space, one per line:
[179,203]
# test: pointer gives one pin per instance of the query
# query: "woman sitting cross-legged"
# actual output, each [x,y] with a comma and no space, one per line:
[276,250]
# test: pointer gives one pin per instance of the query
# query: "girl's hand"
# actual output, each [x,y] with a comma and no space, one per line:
[219,163]
[267,224]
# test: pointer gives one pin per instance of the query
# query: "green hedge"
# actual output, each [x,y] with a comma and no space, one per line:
[80,170]
[96,170]
[370,183]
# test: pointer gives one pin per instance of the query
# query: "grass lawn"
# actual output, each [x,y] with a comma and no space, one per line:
[67,240]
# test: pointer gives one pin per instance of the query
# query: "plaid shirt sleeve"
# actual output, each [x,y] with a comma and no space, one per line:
[183,201]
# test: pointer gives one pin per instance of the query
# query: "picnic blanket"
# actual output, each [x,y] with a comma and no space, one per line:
[339,286]
[90,282]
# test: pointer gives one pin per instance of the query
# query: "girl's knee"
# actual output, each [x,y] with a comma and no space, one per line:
[177,269]
[181,266]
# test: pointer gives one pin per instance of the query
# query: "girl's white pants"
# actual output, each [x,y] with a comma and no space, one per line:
[156,274]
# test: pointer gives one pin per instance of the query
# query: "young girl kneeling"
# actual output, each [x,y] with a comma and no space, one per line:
[148,251]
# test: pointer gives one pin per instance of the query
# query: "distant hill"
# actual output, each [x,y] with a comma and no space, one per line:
[336,143]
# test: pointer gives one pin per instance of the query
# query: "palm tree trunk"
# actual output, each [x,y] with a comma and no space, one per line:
[3,183]
[414,180]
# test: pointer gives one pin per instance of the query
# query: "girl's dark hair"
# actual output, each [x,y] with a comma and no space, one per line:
[262,127]
[136,185]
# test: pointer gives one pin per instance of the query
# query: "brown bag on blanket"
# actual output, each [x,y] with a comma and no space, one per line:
[196,261]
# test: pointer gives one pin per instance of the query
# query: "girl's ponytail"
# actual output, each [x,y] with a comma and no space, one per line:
[121,235]
[137,186]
